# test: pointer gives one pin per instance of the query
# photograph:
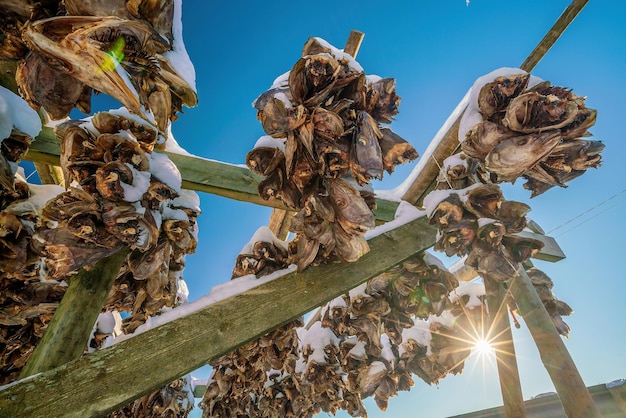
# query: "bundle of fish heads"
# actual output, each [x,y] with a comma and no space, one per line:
[536,133]
[326,116]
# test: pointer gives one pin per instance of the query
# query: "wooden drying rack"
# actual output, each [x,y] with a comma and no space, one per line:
[57,381]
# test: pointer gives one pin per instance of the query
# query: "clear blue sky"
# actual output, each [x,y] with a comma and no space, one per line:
[435,49]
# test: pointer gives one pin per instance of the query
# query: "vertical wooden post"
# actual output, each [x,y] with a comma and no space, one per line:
[501,339]
[68,332]
[574,396]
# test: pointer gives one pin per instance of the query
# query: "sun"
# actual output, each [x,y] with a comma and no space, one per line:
[483,346]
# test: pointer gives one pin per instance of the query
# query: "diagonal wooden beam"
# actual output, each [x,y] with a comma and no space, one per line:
[112,377]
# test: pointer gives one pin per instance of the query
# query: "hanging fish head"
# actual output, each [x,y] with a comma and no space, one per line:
[353,214]
[513,156]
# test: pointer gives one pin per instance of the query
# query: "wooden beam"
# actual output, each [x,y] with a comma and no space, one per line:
[501,339]
[67,334]
[574,396]
[107,379]
[553,34]
[449,144]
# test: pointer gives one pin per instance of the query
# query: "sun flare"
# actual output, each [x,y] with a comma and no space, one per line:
[483,346]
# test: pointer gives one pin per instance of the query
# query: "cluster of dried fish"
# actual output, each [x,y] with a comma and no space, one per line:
[368,342]
[238,385]
[27,303]
[69,49]
[532,132]
[556,308]
[116,198]
[326,116]
[475,220]
[173,400]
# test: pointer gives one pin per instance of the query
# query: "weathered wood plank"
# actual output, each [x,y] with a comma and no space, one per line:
[68,332]
[100,382]
[574,396]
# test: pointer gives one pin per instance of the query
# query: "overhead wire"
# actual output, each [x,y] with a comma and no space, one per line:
[586,212]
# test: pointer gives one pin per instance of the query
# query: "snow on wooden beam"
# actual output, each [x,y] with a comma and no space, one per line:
[108,379]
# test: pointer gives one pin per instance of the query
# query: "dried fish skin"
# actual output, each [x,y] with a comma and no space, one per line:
[511,158]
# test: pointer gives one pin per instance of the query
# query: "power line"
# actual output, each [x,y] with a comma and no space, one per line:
[586,212]
[588,219]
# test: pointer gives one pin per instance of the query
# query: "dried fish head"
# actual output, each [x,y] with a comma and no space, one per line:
[484,200]
[264,160]
[496,265]
[111,178]
[72,49]
[124,221]
[483,137]
[353,214]
[382,101]
[521,248]
[456,238]
[366,160]
[311,78]
[144,133]
[578,154]
[395,150]
[279,117]
[534,112]
[512,157]
[513,215]
[489,235]
[448,212]
[495,96]
[327,124]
